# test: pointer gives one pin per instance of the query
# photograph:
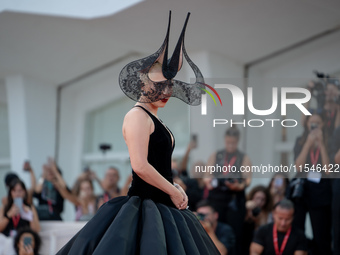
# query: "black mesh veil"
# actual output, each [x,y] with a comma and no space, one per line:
[136,78]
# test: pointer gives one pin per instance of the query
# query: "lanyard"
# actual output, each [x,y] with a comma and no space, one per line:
[50,207]
[229,163]
[284,242]
[16,220]
[205,193]
[314,157]
[330,118]
[106,197]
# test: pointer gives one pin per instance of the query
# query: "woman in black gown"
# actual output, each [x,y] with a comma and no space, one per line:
[153,218]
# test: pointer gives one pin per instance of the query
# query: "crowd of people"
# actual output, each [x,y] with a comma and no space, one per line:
[268,219]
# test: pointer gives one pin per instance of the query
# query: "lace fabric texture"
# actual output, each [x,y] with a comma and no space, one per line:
[135,82]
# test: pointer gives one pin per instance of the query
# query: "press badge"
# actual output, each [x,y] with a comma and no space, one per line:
[13,233]
[314,177]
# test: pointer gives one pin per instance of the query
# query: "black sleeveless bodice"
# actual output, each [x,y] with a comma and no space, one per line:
[159,156]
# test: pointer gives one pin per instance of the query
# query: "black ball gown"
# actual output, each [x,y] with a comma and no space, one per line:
[145,221]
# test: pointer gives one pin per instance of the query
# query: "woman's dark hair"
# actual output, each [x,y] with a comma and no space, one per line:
[37,240]
[77,184]
[205,203]
[9,196]
[260,188]
[233,131]
[323,116]
[9,178]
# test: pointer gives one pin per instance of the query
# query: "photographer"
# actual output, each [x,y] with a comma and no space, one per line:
[327,93]
[221,234]
[227,189]
[335,159]
[259,208]
[310,153]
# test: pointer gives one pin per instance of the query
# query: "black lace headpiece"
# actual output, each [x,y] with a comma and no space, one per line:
[150,79]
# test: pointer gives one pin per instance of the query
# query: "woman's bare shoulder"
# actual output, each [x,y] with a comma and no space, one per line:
[137,118]
[135,115]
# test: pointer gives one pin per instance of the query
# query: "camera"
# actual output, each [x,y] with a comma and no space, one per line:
[105,147]
[256,211]
[319,89]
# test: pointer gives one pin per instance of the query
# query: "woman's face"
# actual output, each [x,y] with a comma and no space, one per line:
[259,198]
[21,244]
[231,143]
[314,121]
[155,81]
[18,191]
[86,189]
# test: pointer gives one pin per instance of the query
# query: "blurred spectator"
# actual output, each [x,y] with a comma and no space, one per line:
[331,105]
[126,187]
[27,242]
[192,183]
[84,199]
[278,187]
[335,159]
[11,176]
[195,186]
[220,233]
[17,213]
[280,237]
[110,186]
[51,203]
[227,189]
[8,179]
[259,208]
[310,153]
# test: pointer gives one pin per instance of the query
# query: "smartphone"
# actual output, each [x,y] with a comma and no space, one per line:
[27,240]
[194,139]
[278,182]
[18,202]
[86,169]
[26,165]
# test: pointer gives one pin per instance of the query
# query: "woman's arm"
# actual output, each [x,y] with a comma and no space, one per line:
[246,162]
[137,127]
[62,189]
[302,157]
[3,220]
[207,177]
[34,224]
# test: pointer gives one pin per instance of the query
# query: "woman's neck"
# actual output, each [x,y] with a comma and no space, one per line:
[150,107]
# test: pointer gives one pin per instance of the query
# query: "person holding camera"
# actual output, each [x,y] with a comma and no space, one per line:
[315,192]
[335,159]
[327,94]
[259,208]
[280,237]
[227,189]
[221,233]
[17,213]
